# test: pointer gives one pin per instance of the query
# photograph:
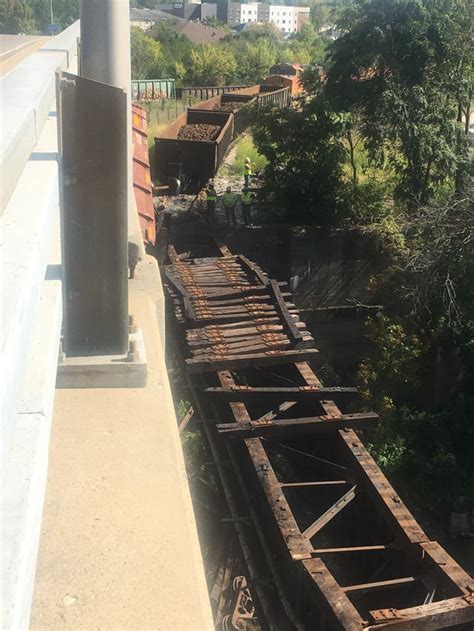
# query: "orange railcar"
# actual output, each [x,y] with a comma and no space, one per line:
[286,76]
[142,186]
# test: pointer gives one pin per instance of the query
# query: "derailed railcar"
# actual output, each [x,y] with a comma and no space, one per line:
[199,160]
[142,186]
[239,103]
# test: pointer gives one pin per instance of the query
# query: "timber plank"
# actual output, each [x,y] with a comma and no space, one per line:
[431,617]
[248,393]
[394,509]
[270,358]
[282,308]
[341,613]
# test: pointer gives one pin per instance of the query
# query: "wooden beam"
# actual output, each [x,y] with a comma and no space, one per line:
[238,292]
[326,517]
[247,393]
[305,425]
[331,599]
[451,612]
[282,308]
[172,254]
[186,418]
[254,269]
[446,567]
[270,358]
[298,547]
[380,489]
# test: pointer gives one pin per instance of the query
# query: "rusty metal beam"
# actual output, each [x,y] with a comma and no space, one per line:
[393,582]
[295,426]
[249,393]
[352,549]
[326,517]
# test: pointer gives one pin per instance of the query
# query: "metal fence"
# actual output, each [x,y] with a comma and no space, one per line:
[204,93]
[153,89]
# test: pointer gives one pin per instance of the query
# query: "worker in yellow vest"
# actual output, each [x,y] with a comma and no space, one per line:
[229,200]
[211,198]
[247,171]
[246,200]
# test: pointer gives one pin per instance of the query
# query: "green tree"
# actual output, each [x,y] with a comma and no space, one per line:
[212,64]
[254,59]
[65,12]
[304,179]
[175,50]
[420,377]
[16,16]
[396,66]
[145,55]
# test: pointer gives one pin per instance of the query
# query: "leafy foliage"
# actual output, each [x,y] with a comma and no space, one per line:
[212,65]
[244,57]
[404,68]
[246,149]
[422,373]
[16,17]
[145,54]
[305,153]
[426,451]
[34,16]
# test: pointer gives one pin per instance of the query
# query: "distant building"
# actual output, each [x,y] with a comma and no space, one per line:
[287,19]
[208,10]
[195,31]
[145,18]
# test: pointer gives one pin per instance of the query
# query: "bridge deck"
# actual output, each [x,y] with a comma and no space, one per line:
[119,548]
[344,550]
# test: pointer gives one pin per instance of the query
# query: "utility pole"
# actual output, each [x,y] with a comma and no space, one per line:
[51,7]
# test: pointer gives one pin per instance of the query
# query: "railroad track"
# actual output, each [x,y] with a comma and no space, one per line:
[344,551]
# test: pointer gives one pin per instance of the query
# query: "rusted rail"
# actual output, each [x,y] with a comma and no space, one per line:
[344,550]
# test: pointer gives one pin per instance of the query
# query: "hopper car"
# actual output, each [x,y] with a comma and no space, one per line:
[142,186]
[286,76]
[193,162]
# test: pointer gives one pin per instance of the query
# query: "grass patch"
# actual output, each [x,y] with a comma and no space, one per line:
[245,148]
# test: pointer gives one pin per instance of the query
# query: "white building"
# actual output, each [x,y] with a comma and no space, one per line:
[287,19]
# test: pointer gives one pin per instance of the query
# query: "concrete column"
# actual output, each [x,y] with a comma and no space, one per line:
[105,37]
[105,57]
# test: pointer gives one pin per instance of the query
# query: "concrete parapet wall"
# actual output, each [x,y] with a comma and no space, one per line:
[31,308]
[27,93]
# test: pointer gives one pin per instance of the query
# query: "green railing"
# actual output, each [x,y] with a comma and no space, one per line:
[153,89]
